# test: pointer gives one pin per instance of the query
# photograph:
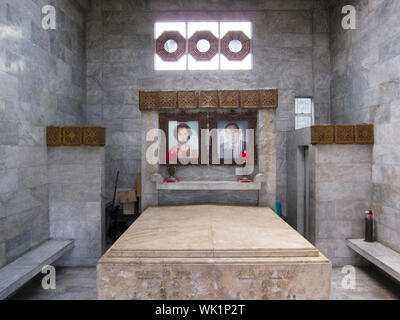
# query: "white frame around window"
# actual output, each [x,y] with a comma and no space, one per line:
[160,64]
[187,29]
[298,115]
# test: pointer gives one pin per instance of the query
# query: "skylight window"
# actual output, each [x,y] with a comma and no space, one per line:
[203,45]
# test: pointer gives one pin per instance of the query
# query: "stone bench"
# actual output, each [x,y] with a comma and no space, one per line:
[383,257]
[14,275]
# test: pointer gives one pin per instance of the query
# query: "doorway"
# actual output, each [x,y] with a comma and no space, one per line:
[303,194]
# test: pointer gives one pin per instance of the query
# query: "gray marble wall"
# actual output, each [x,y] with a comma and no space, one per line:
[42,82]
[288,38]
[340,193]
[366,88]
[76,178]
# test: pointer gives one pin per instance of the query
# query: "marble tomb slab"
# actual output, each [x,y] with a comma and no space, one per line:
[212,252]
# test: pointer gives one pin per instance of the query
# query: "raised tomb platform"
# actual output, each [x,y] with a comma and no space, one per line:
[212,252]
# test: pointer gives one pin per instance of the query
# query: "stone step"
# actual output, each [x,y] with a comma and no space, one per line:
[383,257]
[14,275]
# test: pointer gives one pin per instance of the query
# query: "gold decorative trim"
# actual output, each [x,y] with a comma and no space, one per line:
[364,134]
[94,136]
[167,100]
[54,136]
[344,134]
[250,99]
[187,100]
[72,136]
[148,100]
[269,99]
[209,99]
[76,136]
[322,134]
[229,99]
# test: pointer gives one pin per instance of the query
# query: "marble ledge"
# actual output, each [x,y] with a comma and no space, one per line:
[208,185]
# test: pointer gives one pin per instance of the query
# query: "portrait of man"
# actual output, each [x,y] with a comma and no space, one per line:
[231,139]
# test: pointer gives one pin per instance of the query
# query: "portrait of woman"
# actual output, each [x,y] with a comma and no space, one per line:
[184,139]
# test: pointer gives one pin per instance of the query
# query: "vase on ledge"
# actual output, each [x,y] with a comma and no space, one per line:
[171,171]
[245,157]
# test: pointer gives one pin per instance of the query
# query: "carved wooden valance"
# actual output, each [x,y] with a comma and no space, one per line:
[213,99]
[76,136]
[343,134]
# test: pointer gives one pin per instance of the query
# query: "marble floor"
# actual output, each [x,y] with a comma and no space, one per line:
[80,284]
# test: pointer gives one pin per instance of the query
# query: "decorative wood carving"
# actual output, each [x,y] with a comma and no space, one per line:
[54,136]
[224,99]
[94,136]
[344,134]
[203,56]
[269,99]
[72,136]
[235,35]
[250,99]
[148,100]
[209,99]
[167,100]
[364,134]
[187,100]
[323,134]
[171,56]
[229,99]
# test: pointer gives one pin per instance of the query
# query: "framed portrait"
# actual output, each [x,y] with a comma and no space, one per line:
[183,136]
[233,138]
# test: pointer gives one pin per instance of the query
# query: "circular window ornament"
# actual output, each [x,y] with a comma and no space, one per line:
[203,46]
[170,46]
[235,46]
